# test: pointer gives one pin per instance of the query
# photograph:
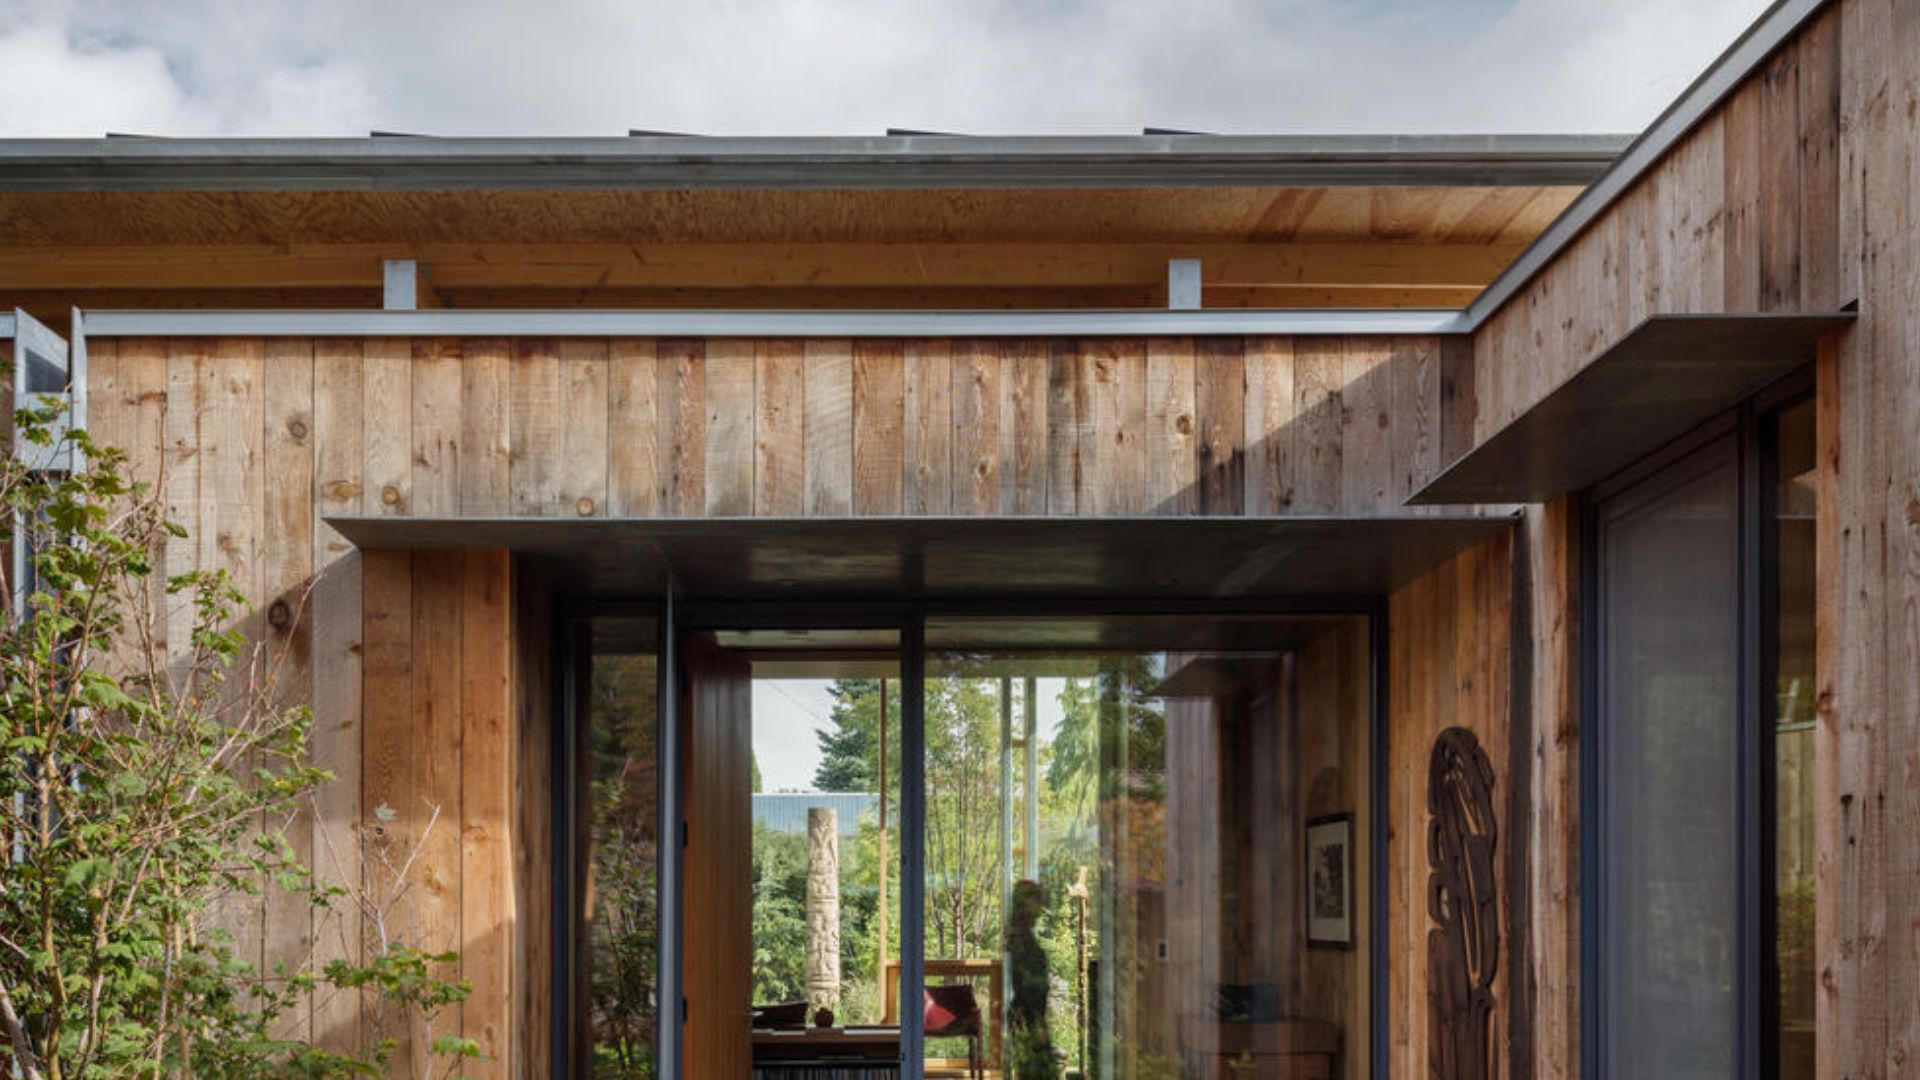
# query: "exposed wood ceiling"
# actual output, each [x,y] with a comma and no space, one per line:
[1259,247]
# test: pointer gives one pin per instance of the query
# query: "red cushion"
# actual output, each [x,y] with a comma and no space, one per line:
[952,1010]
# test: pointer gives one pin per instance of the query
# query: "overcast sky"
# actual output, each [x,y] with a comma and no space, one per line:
[343,67]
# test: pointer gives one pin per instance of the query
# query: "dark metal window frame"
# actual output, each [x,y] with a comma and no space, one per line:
[676,614]
[1754,454]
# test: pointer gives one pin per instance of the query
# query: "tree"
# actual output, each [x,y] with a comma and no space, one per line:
[850,749]
[146,783]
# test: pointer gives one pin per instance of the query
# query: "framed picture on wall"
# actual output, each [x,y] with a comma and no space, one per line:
[1329,878]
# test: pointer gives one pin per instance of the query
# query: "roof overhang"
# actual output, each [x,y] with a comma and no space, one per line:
[1106,559]
[1665,377]
[401,163]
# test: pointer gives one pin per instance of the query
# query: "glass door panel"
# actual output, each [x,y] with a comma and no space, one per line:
[1146,847]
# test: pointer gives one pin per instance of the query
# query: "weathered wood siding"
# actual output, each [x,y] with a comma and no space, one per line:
[425,670]
[1798,193]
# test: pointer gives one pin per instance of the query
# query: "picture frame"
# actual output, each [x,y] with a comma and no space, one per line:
[1328,879]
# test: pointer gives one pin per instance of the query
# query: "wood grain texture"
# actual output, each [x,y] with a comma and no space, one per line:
[879,428]
[779,428]
[927,390]
[633,418]
[730,428]
[485,449]
[387,431]
[580,476]
[489,765]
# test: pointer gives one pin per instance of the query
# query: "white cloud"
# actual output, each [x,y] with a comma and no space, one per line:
[80,67]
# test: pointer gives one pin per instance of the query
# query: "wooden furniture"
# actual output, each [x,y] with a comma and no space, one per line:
[988,969]
[849,1053]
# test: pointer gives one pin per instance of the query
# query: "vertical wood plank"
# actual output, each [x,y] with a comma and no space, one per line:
[287,574]
[1459,404]
[827,426]
[390,815]
[680,367]
[231,502]
[730,428]
[437,422]
[976,427]
[633,438]
[1269,425]
[879,427]
[337,605]
[1063,428]
[1172,459]
[581,473]
[1779,158]
[486,440]
[1819,53]
[387,437]
[1744,216]
[780,449]
[1317,374]
[1120,402]
[438,751]
[1023,427]
[928,386]
[1220,414]
[488,767]
[1366,452]
[534,420]
[1415,425]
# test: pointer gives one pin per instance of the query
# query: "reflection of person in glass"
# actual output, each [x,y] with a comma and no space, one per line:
[1029,1046]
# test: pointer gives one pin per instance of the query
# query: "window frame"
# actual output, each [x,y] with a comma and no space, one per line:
[1748,429]
[677,614]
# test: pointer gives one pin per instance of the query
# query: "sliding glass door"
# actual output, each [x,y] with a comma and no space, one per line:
[1700,897]
[1002,846]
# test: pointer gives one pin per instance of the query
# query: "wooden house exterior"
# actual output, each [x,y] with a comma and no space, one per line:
[606,355]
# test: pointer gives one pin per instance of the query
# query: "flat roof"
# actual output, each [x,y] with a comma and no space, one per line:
[422,163]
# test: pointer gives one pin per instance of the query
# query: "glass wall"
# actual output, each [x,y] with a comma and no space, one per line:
[619,811]
[1147,846]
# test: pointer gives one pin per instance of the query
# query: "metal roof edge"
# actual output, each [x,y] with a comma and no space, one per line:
[880,162]
[1741,60]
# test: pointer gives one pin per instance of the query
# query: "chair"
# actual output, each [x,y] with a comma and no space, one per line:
[953,1012]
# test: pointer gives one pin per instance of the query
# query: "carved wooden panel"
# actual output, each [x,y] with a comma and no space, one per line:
[1463,946]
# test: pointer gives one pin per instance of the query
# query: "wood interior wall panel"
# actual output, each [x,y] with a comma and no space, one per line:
[779,430]
[880,419]
[286,570]
[489,765]
[437,395]
[534,421]
[581,470]
[1023,427]
[730,428]
[387,433]
[827,377]
[634,417]
[485,447]
[1171,464]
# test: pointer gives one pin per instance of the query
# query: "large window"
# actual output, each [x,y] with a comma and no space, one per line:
[1700,896]
[1151,838]
[1025,848]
